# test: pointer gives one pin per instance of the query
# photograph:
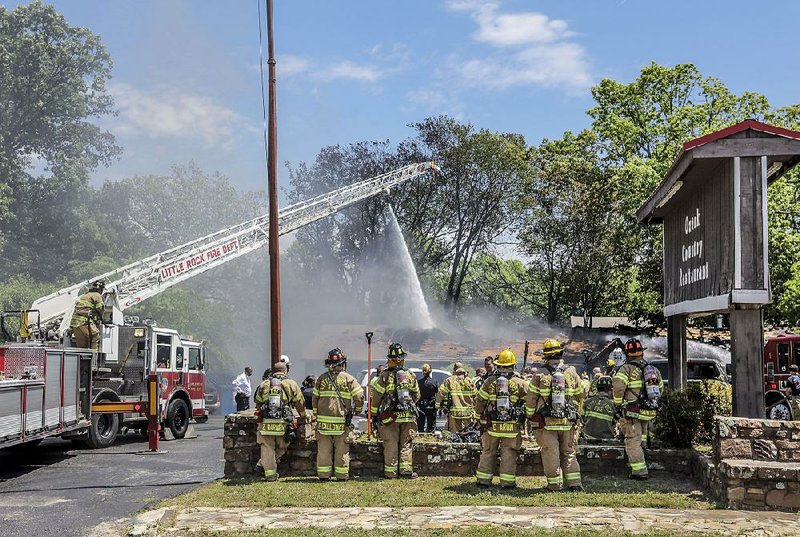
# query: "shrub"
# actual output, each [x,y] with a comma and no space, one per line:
[686,417]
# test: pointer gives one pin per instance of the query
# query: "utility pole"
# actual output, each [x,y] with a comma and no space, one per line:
[272,191]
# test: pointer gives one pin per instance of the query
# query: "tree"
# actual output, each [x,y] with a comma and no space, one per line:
[54,78]
[460,215]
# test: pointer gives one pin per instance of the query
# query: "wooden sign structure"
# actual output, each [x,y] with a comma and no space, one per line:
[713,205]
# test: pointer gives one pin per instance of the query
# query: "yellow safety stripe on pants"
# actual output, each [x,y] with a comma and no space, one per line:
[618,400]
[573,476]
[599,415]
[324,469]
[390,469]
[483,475]
[342,469]
[270,473]
[557,480]
[508,478]
[405,466]
[644,438]
[638,466]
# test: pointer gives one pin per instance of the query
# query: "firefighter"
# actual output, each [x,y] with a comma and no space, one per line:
[457,399]
[88,313]
[637,387]
[394,394]
[337,396]
[275,399]
[554,396]
[499,405]
[428,388]
[597,374]
[599,413]
[792,390]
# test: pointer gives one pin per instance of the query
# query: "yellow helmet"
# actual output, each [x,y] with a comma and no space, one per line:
[506,359]
[552,348]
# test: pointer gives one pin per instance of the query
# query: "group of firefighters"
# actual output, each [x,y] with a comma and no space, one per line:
[551,400]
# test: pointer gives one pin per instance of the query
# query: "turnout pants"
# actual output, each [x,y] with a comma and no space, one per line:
[456,424]
[426,420]
[397,441]
[86,336]
[272,449]
[635,432]
[558,458]
[509,450]
[333,456]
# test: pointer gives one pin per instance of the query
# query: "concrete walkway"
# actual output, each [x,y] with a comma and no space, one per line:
[181,521]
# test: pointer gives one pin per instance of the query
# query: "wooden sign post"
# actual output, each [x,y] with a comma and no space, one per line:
[713,205]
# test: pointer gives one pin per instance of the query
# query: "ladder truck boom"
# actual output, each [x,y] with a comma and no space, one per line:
[131,284]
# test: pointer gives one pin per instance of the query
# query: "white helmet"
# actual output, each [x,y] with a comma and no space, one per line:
[285,360]
[618,356]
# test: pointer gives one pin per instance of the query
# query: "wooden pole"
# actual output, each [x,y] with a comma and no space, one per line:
[272,192]
[747,357]
[676,352]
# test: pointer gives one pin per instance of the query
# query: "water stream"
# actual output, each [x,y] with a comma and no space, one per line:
[407,276]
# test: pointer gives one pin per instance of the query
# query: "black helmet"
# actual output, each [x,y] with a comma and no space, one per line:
[396,351]
[335,357]
[634,348]
[604,384]
[99,284]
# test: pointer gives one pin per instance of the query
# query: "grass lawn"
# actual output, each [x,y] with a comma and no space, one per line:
[606,491]
[471,531]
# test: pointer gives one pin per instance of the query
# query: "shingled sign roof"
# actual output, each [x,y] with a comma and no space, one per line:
[699,156]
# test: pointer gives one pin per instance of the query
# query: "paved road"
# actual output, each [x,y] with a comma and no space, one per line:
[55,489]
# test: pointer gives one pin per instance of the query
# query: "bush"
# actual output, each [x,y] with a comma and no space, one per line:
[686,417]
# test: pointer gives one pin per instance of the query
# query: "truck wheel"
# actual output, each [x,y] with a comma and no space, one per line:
[780,411]
[178,418]
[103,431]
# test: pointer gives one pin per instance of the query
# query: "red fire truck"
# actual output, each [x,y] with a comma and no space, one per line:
[780,352]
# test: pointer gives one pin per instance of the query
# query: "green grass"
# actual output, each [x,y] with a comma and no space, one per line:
[470,531]
[606,491]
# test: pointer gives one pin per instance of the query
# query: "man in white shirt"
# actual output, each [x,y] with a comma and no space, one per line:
[242,390]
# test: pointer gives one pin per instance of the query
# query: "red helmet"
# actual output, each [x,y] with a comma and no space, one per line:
[335,357]
[633,348]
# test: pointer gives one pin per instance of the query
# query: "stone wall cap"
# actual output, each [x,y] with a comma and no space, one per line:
[750,463]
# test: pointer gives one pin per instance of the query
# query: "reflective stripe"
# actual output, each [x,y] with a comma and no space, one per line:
[638,466]
[573,476]
[332,394]
[483,475]
[330,419]
[559,427]
[508,477]
[599,415]
[270,473]
[557,480]
[342,469]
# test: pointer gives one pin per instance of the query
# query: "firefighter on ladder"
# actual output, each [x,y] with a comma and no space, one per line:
[336,397]
[275,399]
[394,393]
[88,313]
[637,388]
[554,396]
[499,407]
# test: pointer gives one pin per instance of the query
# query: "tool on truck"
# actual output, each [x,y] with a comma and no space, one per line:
[131,350]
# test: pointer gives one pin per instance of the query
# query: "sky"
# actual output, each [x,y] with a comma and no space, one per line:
[186,74]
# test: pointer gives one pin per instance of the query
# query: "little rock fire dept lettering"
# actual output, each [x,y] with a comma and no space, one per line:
[197,260]
[692,250]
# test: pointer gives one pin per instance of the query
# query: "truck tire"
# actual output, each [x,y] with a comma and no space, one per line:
[103,431]
[178,418]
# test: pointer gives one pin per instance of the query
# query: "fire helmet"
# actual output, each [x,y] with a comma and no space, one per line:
[507,358]
[98,285]
[552,349]
[633,348]
[335,357]
[396,355]
[603,384]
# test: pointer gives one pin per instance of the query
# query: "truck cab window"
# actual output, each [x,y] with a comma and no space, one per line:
[163,351]
[194,359]
[179,358]
[783,357]
[796,346]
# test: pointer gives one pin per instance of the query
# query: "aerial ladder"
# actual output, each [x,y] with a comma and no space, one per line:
[134,283]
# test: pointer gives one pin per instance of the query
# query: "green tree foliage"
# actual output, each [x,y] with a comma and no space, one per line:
[54,78]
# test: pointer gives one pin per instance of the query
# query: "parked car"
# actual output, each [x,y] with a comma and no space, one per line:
[698,369]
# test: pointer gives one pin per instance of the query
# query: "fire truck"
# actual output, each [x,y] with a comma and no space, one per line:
[131,350]
[780,352]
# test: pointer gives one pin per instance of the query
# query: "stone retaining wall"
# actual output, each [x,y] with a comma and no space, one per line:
[430,458]
[756,463]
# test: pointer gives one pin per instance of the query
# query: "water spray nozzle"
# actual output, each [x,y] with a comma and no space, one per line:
[369,337]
